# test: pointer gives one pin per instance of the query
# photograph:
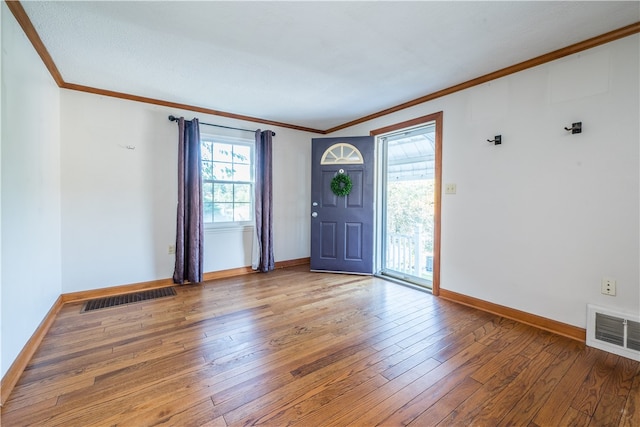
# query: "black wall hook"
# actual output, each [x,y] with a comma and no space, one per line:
[497,140]
[575,128]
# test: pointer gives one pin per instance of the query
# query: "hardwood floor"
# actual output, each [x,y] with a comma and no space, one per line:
[309,349]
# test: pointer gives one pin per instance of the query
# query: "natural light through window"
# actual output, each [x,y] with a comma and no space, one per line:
[341,154]
[227,180]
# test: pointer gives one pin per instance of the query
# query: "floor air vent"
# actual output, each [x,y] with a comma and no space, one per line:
[613,331]
[97,304]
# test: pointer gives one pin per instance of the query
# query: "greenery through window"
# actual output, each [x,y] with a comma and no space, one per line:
[227,179]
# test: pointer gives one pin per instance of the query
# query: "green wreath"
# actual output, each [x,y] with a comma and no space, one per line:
[341,185]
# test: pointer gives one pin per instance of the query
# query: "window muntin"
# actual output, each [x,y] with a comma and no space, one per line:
[227,180]
[342,153]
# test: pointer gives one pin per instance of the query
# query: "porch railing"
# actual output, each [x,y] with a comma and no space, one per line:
[404,254]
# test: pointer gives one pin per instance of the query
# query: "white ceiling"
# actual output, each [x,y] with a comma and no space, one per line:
[313,64]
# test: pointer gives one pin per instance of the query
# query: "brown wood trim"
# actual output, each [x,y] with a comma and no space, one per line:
[241,271]
[248,270]
[115,290]
[11,377]
[23,19]
[435,117]
[293,262]
[223,274]
[129,97]
[437,208]
[162,283]
[534,62]
[407,123]
[540,322]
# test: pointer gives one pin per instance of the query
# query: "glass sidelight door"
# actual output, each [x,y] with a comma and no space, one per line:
[407,189]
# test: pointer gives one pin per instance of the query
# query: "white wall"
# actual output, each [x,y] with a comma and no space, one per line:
[30,198]
[538,221]
[119,204]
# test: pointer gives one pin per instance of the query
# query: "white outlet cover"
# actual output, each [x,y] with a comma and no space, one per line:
[609,286]
[450,188]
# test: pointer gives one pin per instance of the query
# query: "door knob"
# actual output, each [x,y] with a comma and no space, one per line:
[314,214]
[314,204]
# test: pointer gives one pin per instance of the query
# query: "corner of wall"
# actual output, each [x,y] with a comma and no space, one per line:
[30,215]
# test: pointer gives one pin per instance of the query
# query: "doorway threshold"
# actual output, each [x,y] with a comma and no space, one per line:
[340,272]
[404,283]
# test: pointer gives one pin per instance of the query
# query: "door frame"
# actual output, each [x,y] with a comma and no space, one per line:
[356,209]
[437,118]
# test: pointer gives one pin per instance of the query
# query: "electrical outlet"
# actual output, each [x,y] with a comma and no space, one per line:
[450,188]
[172,249]
[608,286]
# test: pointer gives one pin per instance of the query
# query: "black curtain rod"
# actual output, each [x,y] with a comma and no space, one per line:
[175,119]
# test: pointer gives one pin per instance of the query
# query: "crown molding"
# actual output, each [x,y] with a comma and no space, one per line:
[21,16]
[194,108]
[534,62]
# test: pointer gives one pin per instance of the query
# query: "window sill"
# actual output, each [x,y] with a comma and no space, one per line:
[235,228]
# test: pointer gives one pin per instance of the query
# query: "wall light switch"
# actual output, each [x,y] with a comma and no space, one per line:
[450,188]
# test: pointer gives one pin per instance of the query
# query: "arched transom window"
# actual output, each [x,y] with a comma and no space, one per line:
[341,154]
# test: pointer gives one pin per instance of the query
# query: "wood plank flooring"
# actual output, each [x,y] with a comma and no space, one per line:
[309,349]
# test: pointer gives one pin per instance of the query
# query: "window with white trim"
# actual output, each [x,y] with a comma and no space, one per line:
[227,180]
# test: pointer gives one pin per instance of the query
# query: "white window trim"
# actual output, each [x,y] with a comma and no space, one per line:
[210,227]
[229,229]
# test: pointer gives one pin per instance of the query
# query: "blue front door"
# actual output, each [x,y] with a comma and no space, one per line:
[342,226]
